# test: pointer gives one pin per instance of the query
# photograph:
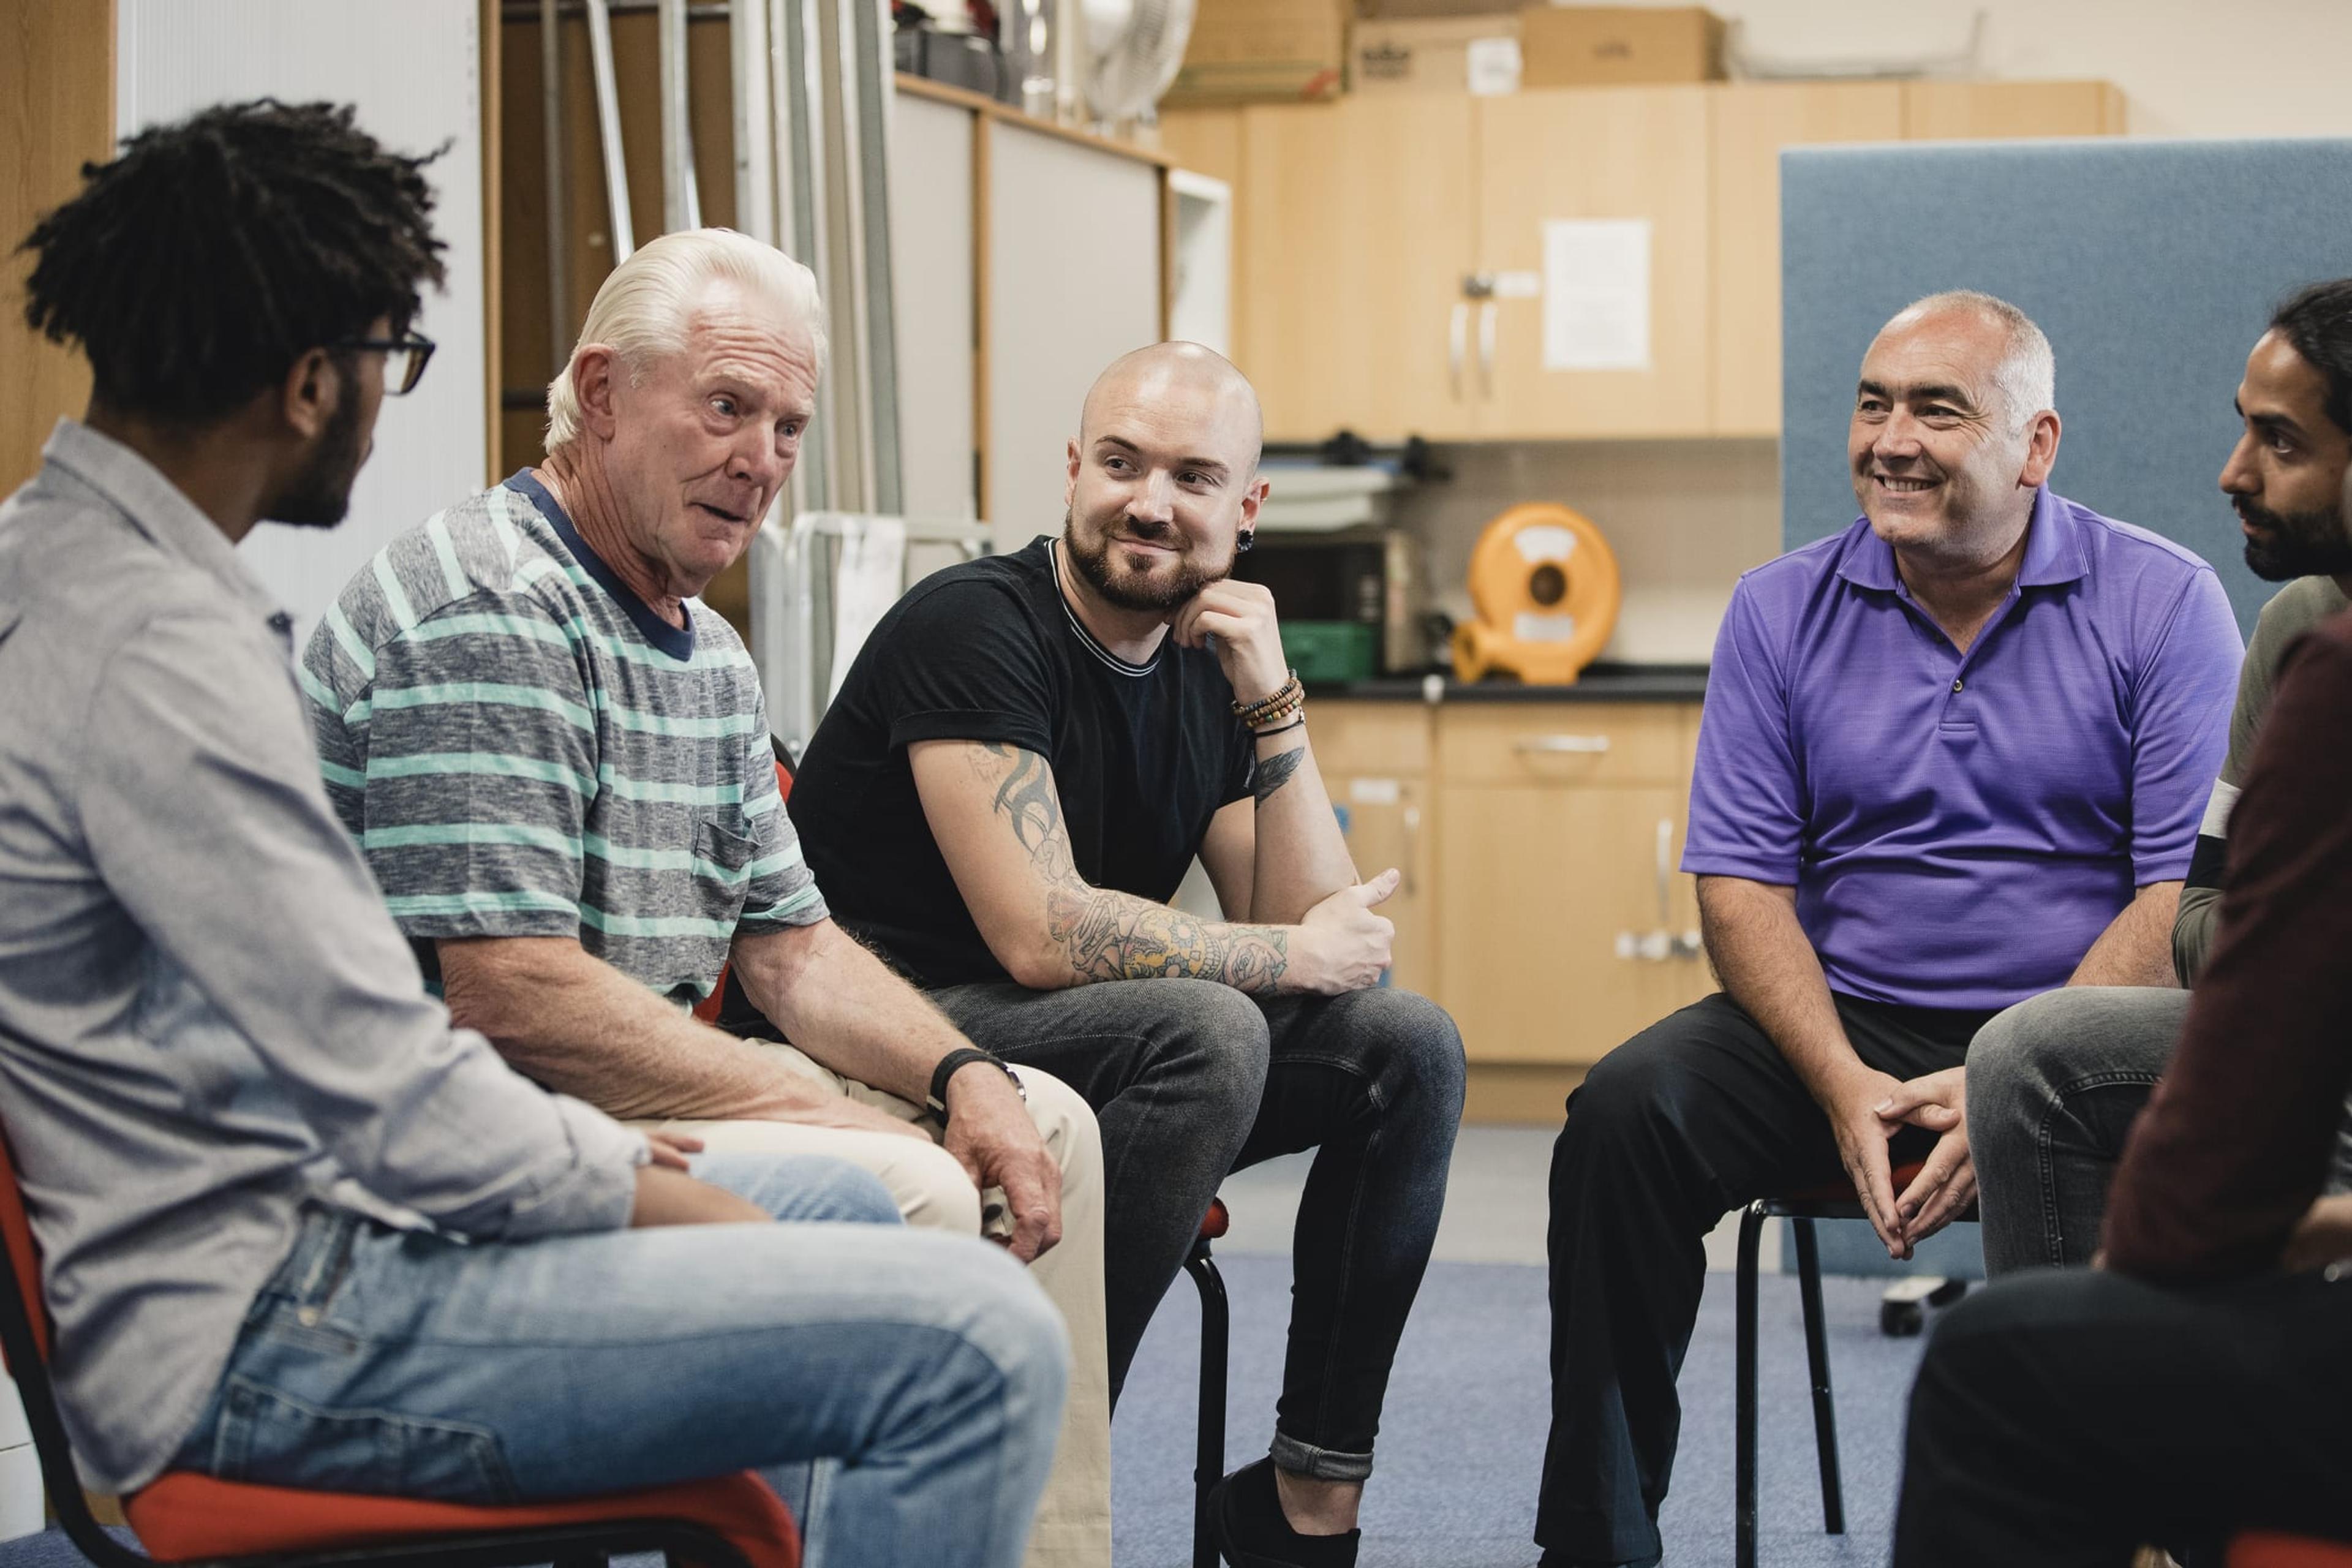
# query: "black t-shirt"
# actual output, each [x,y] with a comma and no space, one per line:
[1143,756]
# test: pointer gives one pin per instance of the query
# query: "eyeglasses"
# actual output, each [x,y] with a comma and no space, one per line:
[404,358]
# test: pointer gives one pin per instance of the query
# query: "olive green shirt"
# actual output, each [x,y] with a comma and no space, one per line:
[2293,610]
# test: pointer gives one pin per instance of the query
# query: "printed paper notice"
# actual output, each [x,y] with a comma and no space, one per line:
[1596,294]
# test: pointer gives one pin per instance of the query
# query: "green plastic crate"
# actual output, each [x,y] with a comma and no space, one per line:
[1328,652]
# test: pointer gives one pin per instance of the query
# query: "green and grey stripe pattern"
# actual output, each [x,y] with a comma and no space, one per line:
[518,758]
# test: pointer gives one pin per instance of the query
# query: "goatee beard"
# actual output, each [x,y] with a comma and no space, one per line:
[1093,562]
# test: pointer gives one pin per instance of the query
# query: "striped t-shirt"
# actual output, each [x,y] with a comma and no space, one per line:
[523,748]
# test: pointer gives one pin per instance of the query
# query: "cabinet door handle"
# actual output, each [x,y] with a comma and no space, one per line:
[1665,871]
[1486,346]
[1457,343]
[1411,844]
[1582,745]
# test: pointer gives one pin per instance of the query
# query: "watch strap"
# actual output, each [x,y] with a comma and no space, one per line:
[950,1065]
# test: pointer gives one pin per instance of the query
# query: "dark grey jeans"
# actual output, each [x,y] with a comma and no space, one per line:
[1190,1080]
[2053,1086]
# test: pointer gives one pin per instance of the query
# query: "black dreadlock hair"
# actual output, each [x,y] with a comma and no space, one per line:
[2318,323]
[198,265]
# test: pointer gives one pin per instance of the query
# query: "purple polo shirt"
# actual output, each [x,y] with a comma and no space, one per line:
[1960,828]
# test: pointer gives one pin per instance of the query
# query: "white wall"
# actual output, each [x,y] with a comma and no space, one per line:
[2191,68]
[414,70]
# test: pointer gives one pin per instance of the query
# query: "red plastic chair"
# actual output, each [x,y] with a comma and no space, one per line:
[726,1521]
[727,1005]
[1834,1200]
[2267,1549]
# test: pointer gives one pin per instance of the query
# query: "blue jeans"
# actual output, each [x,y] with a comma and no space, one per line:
[927,1368]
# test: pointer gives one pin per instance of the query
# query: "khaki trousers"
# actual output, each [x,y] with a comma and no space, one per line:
[1073,1528]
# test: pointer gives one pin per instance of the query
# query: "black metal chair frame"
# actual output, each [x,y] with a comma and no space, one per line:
[1216,1335]
[1800,1217]
[587,1545]
[1801,1213]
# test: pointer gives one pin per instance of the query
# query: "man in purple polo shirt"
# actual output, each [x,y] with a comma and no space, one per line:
[1951,757]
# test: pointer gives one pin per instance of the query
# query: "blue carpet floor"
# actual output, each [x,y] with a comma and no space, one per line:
[1462,1442]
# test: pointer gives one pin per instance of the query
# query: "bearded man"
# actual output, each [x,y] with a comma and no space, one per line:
[2055,1083]
[1021,765]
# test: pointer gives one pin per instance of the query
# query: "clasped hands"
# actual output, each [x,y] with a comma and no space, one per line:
[1867,1108]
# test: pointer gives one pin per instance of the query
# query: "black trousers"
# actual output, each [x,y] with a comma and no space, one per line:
[1689,1119]
[2066,1416]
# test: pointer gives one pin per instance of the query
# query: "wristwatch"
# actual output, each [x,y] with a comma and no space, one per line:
[949,1064]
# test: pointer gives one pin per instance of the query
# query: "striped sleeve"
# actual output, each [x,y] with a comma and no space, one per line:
[783,890]
[480,761]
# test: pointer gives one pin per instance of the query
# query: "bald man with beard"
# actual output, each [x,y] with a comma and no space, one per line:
[1019,769]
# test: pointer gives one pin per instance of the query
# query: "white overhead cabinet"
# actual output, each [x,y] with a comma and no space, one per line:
[1025,258]
[1070,280]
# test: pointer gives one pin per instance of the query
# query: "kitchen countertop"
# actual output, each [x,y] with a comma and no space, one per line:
[1599,683]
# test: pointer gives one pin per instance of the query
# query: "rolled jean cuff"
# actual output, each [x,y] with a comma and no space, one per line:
[1317,1464]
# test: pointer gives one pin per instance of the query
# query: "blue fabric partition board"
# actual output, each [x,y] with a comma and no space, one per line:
[2153,266]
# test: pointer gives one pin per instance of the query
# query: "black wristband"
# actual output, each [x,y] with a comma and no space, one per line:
[954,1062]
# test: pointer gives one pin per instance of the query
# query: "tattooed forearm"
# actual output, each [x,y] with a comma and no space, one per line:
[1275,772]
[1109,935]
[1116,936]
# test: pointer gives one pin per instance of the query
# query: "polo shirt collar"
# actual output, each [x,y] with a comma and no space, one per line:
[2053,549]
[154,506]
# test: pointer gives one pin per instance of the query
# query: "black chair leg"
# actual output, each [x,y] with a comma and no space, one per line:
[1817,1357]
[1209,1458]
[1743,1439]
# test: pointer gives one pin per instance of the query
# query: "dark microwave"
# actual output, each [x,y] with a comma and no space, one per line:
[1351,604]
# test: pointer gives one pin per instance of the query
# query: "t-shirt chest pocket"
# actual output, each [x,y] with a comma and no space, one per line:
[721,854]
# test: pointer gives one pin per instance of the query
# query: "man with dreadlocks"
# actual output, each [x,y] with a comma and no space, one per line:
[296,1229]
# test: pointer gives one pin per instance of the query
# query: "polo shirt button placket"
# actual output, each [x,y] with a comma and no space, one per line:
[1957,684]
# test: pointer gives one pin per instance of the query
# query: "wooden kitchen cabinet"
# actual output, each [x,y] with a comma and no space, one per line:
[1369,231]
[1374,758]
[1354,234]
[1556,826]
[1596,153]
[1209,141]
[1990,110]
[1753,123]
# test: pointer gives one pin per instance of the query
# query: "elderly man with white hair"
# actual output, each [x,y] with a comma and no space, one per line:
[558,764]
[1952,755]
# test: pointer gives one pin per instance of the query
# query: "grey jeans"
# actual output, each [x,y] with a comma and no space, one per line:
[2054,1084]
[1191,1079]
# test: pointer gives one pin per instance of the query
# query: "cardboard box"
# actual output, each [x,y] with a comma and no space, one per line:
[1257,51]
[1606,45]
[1391,10]
[1435,55]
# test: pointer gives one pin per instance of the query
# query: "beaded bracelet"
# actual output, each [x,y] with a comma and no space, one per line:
[1290,693]
[1292,709]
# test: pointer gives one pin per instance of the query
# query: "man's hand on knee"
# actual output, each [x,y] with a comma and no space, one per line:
[1853,1102]
[1946,1183]
[990,1132]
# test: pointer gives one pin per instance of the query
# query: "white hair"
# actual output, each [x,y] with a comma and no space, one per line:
[644,310]
[2028,373]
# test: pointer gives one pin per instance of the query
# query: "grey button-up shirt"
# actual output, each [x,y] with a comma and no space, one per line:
[207,1019]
